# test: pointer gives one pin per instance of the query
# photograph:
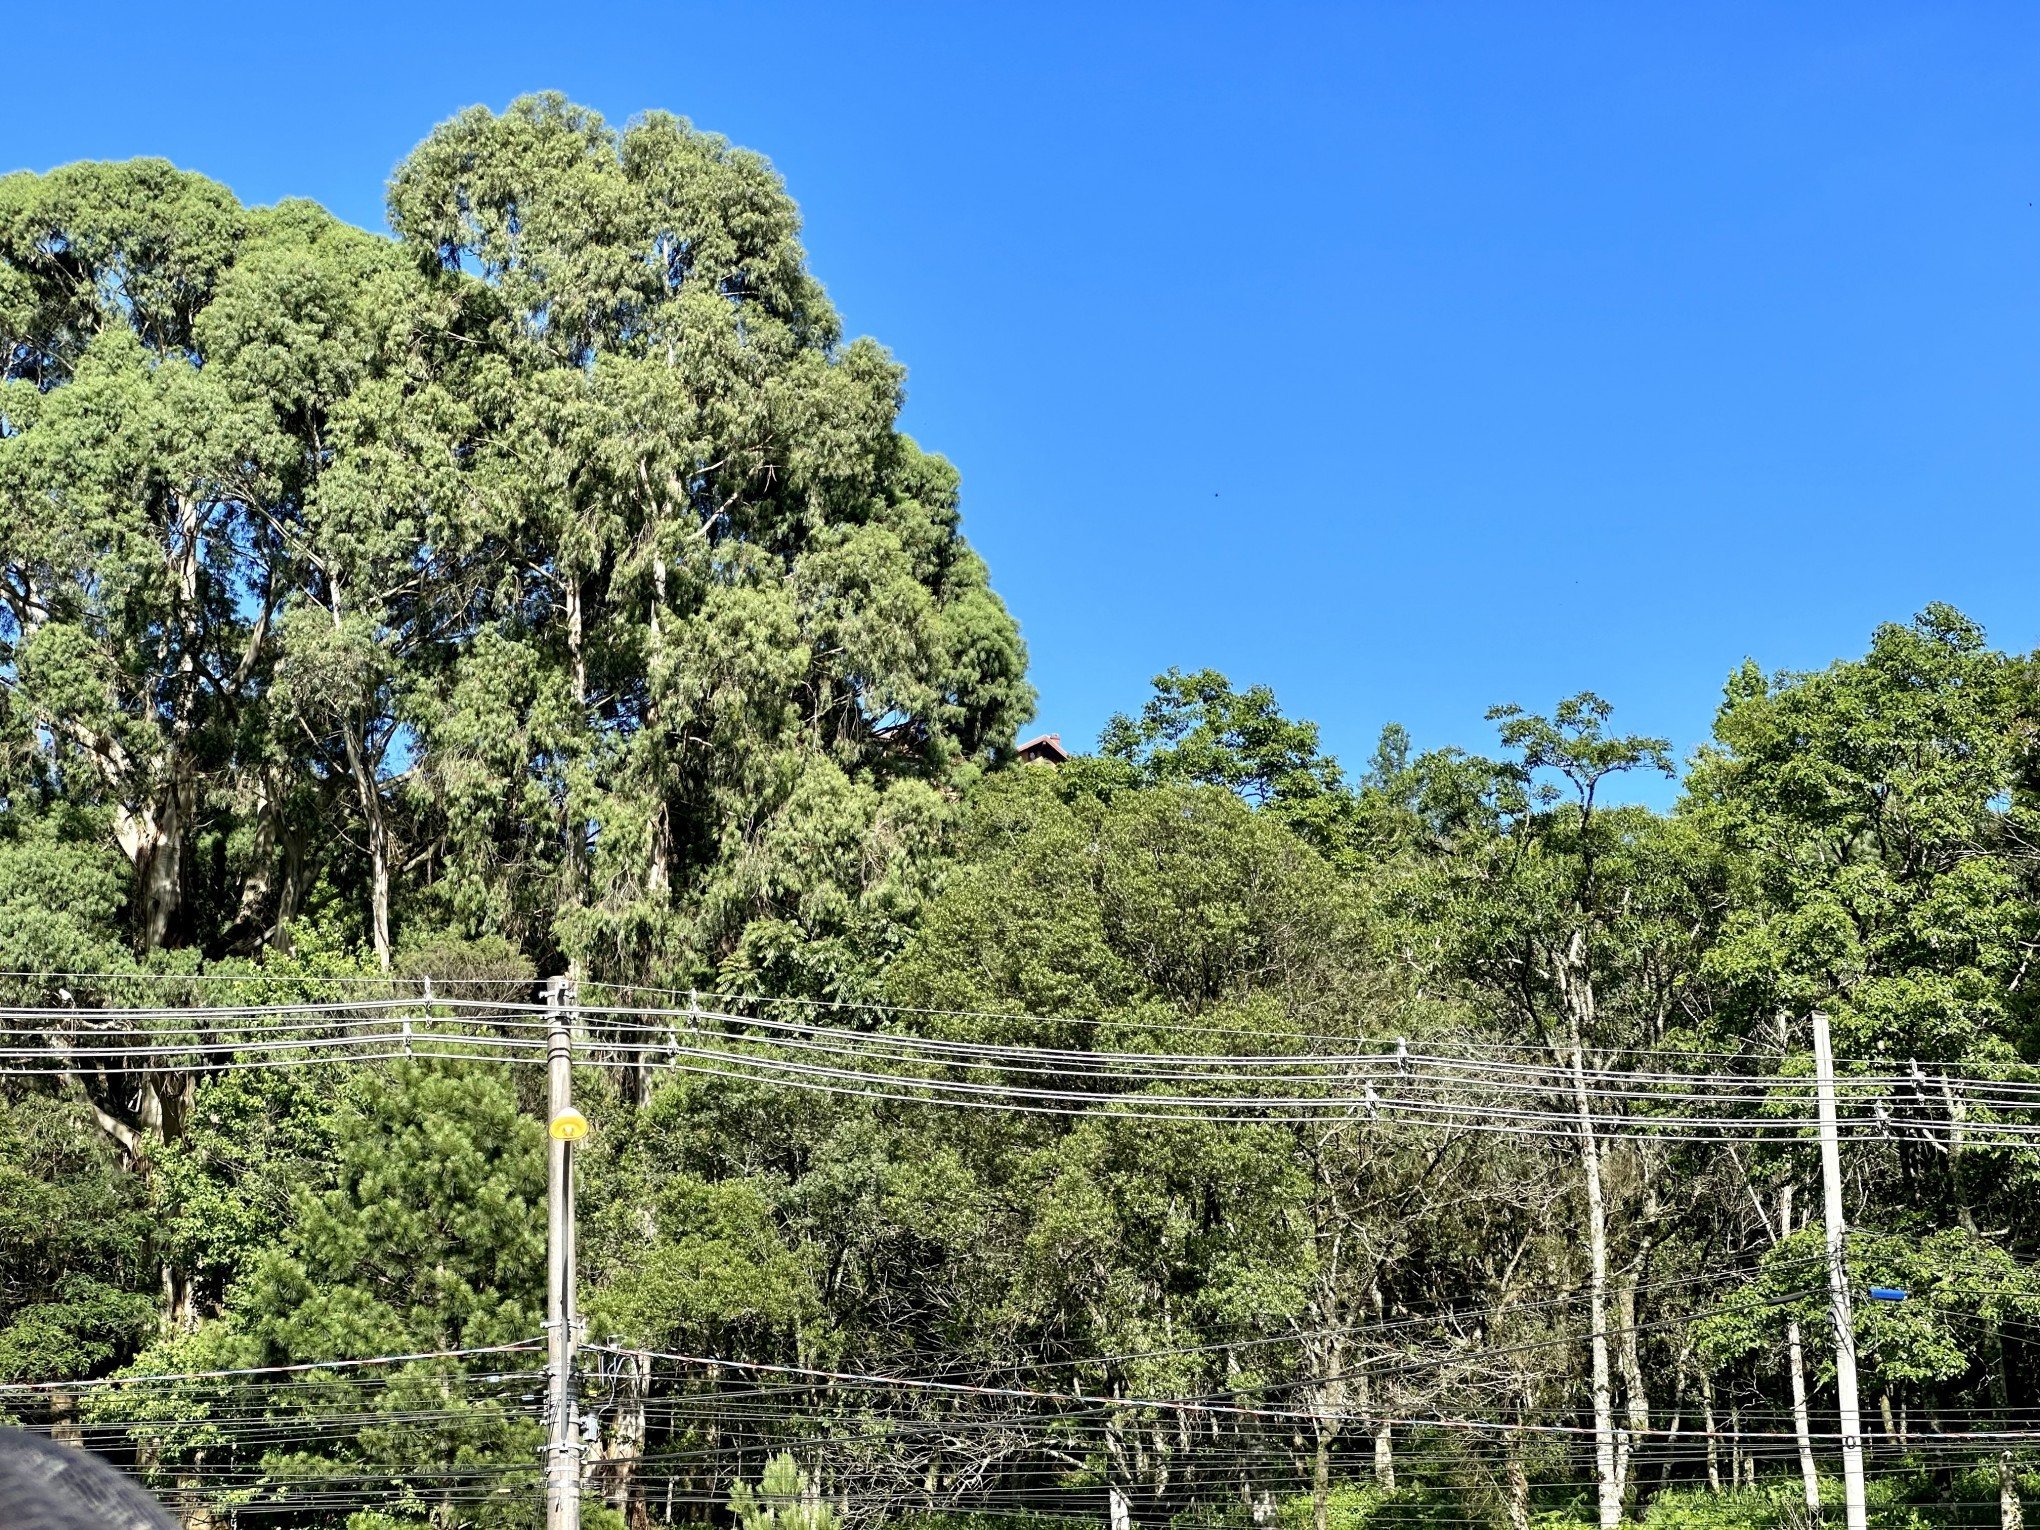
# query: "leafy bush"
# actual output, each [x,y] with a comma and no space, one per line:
[1779,1504]
[783,1500]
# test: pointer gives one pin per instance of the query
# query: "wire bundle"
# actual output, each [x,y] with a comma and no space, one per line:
[1466,1087]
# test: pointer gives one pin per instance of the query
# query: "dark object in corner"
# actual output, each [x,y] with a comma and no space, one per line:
[47,1486]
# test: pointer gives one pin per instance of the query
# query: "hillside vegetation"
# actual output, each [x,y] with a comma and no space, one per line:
[548,590]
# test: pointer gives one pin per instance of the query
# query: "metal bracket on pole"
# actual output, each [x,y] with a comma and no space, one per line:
[1854,1496]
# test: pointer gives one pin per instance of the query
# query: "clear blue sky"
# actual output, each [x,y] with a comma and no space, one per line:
[1406,357]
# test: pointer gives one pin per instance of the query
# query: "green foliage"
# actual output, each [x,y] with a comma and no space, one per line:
[428,1236]
[1779,1505]
[549,587]
[432,1235]
[699,1265]
[74,1245]
[62,894]
[783,1500]
[561,546]
[1071,904]
[1866,802]
[1198,728]
[761,634]
[1348,1506]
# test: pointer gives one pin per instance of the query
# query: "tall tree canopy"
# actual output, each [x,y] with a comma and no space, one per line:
[560,549]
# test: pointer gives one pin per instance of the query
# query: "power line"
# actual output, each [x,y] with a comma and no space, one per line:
[289,1368]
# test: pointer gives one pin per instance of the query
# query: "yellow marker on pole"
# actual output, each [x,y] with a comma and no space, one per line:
[568,1126]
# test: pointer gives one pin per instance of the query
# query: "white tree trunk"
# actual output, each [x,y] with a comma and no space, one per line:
[152,836]
[1635,1396]
[1795,1360]
[1802,1427]
[1607,1468]
[1518,1483]
[1118,1501]
[1713,1432]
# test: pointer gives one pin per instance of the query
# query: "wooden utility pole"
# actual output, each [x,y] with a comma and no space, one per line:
[564,1127]
[1854,1502]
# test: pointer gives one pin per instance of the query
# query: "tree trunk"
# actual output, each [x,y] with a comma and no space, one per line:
[1384,1426]
[379,892]
[290,893]
[1383,1430]
[1518,1482]
[1636,1398]
[152,837]
[575,874]
[1321,1482]
[1515,1467]
[179,1312]
[577,643]
[1802,1427]
[1578,997]
[1678,1422]
[626,1450]
[1795,1359]
[1713,1432]
[375,829]
[659,875]
[258,882]
[193,1512]
[64,1426]
[1118,1498]
[162,870]
[163,881]
[2011,1513]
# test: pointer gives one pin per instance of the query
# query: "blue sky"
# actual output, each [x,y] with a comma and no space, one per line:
[1408,358]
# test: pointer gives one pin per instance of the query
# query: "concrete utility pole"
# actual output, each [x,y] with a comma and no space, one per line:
[564,1127]
[1854,1502]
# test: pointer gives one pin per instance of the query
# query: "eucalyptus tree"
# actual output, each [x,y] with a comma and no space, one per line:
[737,635]
[174,365]
[128,530]
[186,379]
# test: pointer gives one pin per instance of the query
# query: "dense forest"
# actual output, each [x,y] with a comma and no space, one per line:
[390,624]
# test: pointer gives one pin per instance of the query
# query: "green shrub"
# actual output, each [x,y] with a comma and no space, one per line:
[1778,1504]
